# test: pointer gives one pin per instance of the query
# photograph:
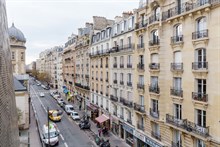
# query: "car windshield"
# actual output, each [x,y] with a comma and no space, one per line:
[71,108]
[52,135]
[76,114]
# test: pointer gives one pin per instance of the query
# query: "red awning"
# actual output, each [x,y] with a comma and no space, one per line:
[101,118]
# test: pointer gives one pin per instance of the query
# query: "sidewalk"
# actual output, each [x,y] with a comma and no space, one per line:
[114,140]
[34,136]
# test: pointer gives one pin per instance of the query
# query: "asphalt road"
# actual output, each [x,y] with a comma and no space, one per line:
[70,134]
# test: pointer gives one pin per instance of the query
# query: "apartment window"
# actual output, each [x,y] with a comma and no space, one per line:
[129,115]
[154,81]
[141,79]
[156,129]
[13,55]
[201,86]
[201,117]
[121,43]
[106,75]
[122,27]
[107,45]
[92,73]
[115,91]
[101,61]
[200,57]
[102,101]
[177,138]
[201,24]
[115,44]
[141,41]
[129,59]
[103,34]
[200,143]
[122,111]
[101,48]
[115,60]
[121,77]
[121,93]
[97,87]
[154,36]
[177,82]
[157,13]
[121,60]
[141,59]
[154,58]
[178,111]
[177,57]
[107,104]
[96,74]
[129,77]
[115,76]
[93,97]
[142,19]
[178,30]
[97,99]
[154,105]
[129,42]
[141,99]
[118,28]
[129,96]
[22,55]
[130,23]
[125,25]
[107,32]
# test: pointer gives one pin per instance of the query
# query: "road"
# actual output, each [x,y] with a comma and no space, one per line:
[70,134]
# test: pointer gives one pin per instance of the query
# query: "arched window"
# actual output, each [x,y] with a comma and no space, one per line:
[141,41]
[154,37]
[201,24]
[178,34]
[157,13]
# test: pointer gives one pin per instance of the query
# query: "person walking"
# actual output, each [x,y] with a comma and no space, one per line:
[100,131]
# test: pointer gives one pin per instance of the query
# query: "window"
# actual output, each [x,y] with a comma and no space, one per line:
[122,112]
[154,81]
[106,61]
[97,87]
[129,115]
[101,48]
[101,74]
[201,24]
[178,30]
[130,23]
[141,59]
[129,42]
[200,143]
[107,103]
[129,59]
[154,105]
[22,55]
[106,75]
[13,55]
[201,118]
[154,36]
[177,138]
[122,26]
[102,101]
[121,77]
[118,28]
[177,82]
[141,41]
[103,34]
[115,60]
[154,58]
[96,74]
[121,43]
[200,58]
[125,25]
[129,94]
[97,99]
[115,76]
[107,46]
[121,93]
[141,80]
[157,13]
[129,77]
[141,100]
[178,111]
[121,60]
[115,92]
[156,129]
[201,86]
[177,57]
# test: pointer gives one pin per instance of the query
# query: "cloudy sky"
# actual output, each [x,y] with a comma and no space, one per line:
[47,23]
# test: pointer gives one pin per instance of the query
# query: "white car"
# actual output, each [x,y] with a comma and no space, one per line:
[41,94]
[53,133]
[75,115]
[60,100]
[38,84]
[69,109]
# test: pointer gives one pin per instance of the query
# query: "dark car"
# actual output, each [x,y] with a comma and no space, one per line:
[62,105]
[84,124]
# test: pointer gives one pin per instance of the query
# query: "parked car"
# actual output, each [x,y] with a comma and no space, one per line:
[53,134]
[47,88]
[59,101]
[43,86]
[38,84]
[84,124]
[42,94]
[69,109]
[63,104]
[75,115]
[56,96]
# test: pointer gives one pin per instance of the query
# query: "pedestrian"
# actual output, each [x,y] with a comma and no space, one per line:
[79,107]
[100,131]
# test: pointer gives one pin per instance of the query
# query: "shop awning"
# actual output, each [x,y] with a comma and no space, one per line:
[92,107]
[101,118]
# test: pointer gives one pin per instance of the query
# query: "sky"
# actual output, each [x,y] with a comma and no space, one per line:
[48,23]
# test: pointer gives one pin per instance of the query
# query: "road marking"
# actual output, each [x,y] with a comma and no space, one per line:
[65,144]
[62,137]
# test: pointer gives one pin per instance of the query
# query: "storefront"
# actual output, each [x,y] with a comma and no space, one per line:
[140,139]
[103,121]
[152,143]
[129,138]
[92,111]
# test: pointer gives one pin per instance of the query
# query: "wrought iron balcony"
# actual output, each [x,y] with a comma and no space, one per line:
[140,46]
[198,96]
[154,66]
[106,80]
[176,144]
[176,66]
[200,65]
[115,65]
[126,102]
[154,89]
[141,24]
[115,81]
[87,76]
[101,66]
[176,39]
[101,79]
[140,86]
[129,121]
[129,84]
[129,65]
[122,116]
[140,66]
[106,65]
[156,135]
[176,92]
[200,34]
[140,126]
[154,113]
[101,92]
[121,82]
[153,18]
[121,65]
[140,108]
[154,42]
[175,121]
[114,98]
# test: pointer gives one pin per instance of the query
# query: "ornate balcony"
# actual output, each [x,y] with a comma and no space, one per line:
[154,89]
[141,24]
[153,18]
[129,65]
[202,97]
[140,46]
[156,135]
[154,66]
[200,65]
[175,121]
[121,82]
[154,42]
[121,65]
[154,113]
[140,66]
[176,66]
[140,86]
[177,39]
[115,81]
[126,102]
[140,126]
[200,34]
[129,84]
[115,65]
[176,92]
[114,98]
[140,108]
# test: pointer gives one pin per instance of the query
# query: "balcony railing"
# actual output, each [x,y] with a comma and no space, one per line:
[202,97]
[156,135]
[121,82]
[140,126]
[187,6]
[115,65]
[200,34]
[141,45]
[106,65]
[176,66]
[126,102]
[154,89]
[121,65]
[106,80]
[129,84]
[101,79]
[187,125]
[140,108]
[82,86]
[101,66]
[129,121]
[87,76]
[154,42]
[176,92]
[200,65]
[176,39]
[141,24]
[140,86]
[129,65]
[176,144]
[115,81]
[154,113]
[140,66]
[154,66]
[153,18]
[114,98]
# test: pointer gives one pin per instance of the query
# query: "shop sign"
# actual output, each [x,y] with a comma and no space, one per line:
[128,129]
[151,142]
[139,135]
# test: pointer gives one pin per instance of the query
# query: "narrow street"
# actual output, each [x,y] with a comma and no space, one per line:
[70,134]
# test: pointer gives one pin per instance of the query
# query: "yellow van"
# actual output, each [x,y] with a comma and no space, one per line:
[55,115]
